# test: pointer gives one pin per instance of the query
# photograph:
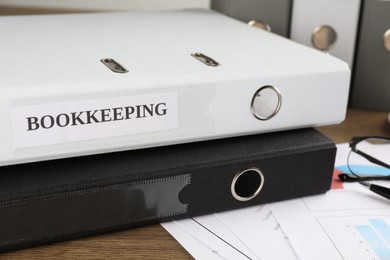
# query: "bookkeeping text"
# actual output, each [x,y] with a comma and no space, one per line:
[96,116]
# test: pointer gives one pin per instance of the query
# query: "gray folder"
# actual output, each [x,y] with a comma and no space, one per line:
[371,80]
[275,13]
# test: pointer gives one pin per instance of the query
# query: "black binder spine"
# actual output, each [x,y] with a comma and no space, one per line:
[56,200]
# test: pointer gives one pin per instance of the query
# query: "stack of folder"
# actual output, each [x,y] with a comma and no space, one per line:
[356,31]
[116,120]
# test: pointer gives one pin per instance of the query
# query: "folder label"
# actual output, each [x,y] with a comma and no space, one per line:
[54,123]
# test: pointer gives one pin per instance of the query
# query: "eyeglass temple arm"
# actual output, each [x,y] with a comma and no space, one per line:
[370,158]
[347,177]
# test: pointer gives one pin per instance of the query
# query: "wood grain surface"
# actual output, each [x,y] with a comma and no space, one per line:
[358,123]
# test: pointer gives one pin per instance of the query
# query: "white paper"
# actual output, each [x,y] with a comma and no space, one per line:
[207,236]
[341,223]
[259,230]
[197,248]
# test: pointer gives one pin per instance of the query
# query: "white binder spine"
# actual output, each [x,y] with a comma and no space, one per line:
[328,25]
[204,78]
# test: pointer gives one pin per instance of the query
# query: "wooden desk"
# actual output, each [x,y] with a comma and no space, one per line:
[153,242]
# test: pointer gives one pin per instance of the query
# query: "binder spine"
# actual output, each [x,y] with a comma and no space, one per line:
[283,177]
[370,84]
[273,15]
[56,216]
[329,26]
[180,91]
[103,193]
[51,127]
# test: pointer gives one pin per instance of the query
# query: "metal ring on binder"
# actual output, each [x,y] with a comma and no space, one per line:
[260,25]
[247,184]
[323,37]
[266,102]
[386,40]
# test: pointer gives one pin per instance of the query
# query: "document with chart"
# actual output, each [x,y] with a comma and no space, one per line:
[348,222]
[249,233]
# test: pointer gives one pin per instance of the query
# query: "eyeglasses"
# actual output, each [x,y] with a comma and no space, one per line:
[380,169]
